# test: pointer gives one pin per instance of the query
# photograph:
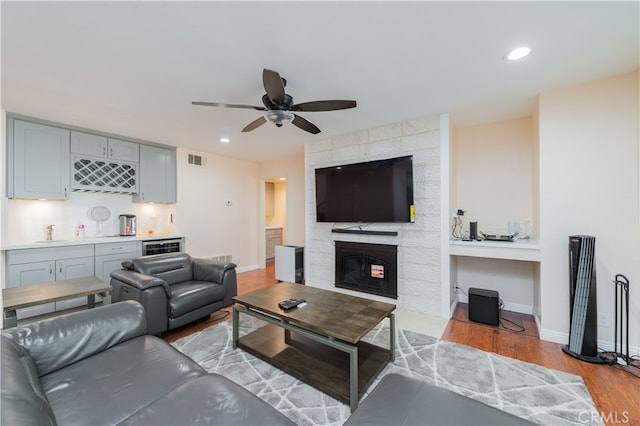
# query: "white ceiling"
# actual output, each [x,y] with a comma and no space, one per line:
[133,68]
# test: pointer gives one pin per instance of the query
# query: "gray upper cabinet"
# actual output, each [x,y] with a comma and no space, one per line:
[88,144]
[101,146]
[157,173]
[38,160]
[46,161]
[123,150]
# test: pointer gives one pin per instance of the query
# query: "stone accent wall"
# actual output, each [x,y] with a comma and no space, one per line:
[419,268]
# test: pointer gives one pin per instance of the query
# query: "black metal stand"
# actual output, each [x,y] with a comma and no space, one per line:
[621,316]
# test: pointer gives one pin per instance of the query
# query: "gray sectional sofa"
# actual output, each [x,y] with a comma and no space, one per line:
[99,367]
[403,401]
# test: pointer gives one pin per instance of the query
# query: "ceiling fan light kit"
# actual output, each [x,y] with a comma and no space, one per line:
[279,105]
[278,116]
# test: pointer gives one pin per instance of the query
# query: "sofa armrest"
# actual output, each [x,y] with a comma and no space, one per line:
[140,281]
[60,341]
[221,273]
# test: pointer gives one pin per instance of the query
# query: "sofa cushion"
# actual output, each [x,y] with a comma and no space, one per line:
[402,401]
[208,400]
[23,399]
[191,295]
[110,386]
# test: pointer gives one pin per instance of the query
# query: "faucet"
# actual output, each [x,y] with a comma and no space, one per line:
[50,232]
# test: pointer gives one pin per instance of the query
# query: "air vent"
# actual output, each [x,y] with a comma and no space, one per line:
[197,160]
[224,258]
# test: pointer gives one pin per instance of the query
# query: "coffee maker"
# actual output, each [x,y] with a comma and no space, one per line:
[128,225]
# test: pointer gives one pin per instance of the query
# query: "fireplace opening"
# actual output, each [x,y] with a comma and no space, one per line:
[370,268]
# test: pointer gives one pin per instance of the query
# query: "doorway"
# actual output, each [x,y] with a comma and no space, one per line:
[275,215]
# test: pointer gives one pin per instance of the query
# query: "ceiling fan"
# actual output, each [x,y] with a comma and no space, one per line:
[280,108]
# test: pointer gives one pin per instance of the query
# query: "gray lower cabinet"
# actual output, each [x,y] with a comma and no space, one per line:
[39,265]
[38,160]
[109,257]
[273,238]
[34,266]
[157,174]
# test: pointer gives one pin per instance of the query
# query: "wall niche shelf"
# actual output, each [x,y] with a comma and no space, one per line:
[365,232]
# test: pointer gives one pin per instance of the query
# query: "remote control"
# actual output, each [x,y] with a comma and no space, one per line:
[290,303]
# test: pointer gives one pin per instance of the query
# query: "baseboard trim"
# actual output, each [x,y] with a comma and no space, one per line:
[247,268]
[563,339]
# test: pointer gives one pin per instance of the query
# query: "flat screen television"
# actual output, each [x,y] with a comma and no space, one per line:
[378,191]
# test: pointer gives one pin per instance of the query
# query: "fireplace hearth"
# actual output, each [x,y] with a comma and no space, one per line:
[369,268]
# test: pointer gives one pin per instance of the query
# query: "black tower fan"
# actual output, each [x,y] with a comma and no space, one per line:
[583,331]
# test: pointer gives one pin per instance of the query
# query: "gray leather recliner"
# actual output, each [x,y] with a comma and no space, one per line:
[174,288]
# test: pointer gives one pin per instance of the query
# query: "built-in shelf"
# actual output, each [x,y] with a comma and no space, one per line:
[362,231]
[527,250]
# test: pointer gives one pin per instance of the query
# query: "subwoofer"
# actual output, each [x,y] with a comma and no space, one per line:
[484,306]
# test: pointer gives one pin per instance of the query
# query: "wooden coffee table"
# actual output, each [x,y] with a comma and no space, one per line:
[320,344]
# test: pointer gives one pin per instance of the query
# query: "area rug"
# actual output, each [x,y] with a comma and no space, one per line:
[541,395]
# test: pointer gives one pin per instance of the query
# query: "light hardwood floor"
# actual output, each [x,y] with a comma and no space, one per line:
[615,390]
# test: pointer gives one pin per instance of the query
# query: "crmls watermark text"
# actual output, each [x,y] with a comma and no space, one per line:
[612,417]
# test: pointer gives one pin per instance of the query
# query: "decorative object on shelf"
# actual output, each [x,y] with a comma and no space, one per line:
[99,214]
[49,231]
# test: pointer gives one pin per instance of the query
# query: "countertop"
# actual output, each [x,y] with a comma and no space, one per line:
[88,240]
[527,250]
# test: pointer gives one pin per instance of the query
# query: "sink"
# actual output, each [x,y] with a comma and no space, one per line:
[50,241]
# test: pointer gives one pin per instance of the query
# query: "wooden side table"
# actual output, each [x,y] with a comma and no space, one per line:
[38,294]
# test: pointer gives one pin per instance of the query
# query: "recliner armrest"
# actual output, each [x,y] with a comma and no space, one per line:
[60,341]
[140,281]
[221,273]
[210,270]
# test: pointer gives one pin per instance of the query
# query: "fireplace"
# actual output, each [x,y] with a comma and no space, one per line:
[370,268]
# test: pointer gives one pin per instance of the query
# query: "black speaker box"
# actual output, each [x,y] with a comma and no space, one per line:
[484,306]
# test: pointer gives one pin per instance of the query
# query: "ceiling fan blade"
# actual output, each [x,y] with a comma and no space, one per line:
[255,124]
[273,85]
[305,124]
[218,104]
[324,105]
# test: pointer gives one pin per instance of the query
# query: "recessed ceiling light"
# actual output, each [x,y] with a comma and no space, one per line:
[225,140]
[517,53]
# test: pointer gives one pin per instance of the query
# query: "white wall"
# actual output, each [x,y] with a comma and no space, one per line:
[589,184]
[213,228]
[493,173]
[279,217]
[419,244]
[291,168]
[494,185]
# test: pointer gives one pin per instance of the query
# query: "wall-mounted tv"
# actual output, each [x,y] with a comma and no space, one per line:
[378,191]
